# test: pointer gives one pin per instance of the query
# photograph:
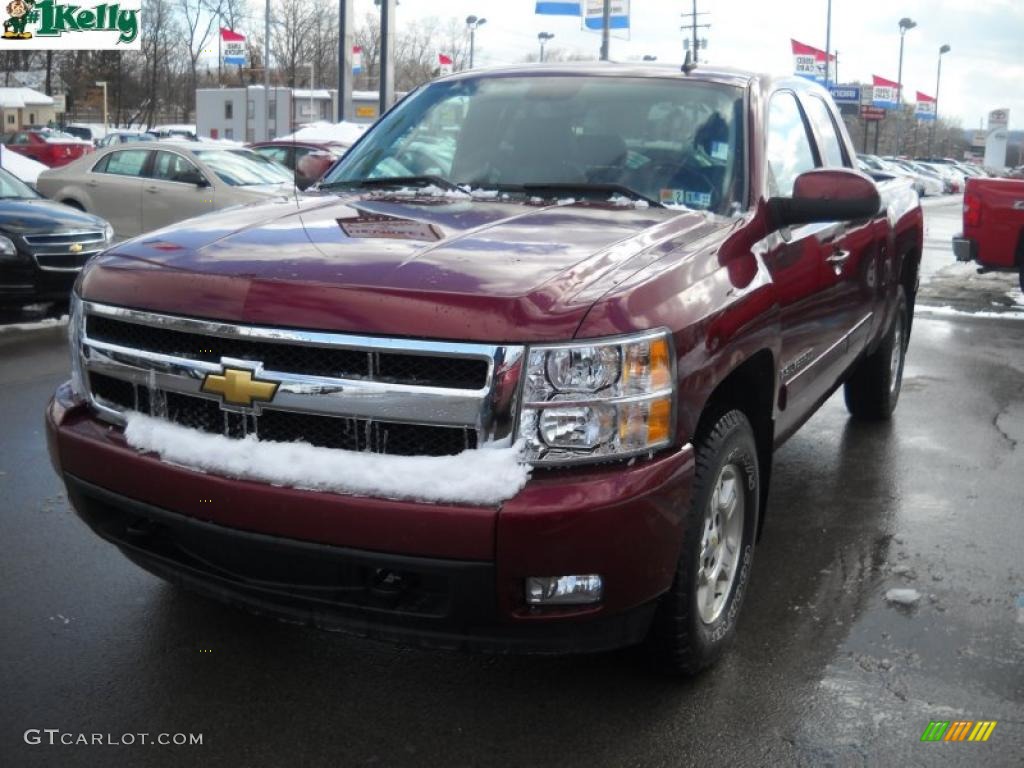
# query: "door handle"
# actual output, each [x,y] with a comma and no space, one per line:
[153,190]
[838,257]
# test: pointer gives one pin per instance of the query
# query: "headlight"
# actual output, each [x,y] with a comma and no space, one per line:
[76,330]
[7,248]
[108,233]
[598,400]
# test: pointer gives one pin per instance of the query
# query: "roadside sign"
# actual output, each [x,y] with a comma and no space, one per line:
[872,113]
[978,139]
[845,94]
[59,104]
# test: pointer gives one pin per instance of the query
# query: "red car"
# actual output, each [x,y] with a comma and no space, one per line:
[309,160]
[51,148]
[993,233]
[513,379]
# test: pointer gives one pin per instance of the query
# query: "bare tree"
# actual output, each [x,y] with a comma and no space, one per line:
[198,18]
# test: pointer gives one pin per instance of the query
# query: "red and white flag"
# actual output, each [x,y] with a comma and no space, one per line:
[445,62]
[809,61]
[233,47]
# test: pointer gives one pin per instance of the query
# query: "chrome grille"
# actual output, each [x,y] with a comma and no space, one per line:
[382,395]
[52,252]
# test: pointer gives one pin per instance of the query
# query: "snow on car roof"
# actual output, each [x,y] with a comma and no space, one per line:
[25,168]
[324,132]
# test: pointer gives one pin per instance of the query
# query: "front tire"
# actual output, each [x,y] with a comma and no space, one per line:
[696,618]
[873,389]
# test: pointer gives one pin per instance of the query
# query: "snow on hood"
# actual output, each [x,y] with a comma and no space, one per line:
[25,168]
[323,132]
[485,476]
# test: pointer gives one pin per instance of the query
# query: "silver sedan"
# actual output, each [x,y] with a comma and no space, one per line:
[139,188]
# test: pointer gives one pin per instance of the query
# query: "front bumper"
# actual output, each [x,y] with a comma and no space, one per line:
[965,249]
[23,282]
[423,574]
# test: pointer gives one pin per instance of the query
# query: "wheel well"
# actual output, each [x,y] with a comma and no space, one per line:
[73,203]
[749,388]
[909,271]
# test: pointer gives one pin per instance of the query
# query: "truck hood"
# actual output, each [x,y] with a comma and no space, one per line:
[424,266]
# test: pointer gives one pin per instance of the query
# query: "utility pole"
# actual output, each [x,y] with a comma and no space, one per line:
[266,54]
[606,23]
[938,81]
[387,59]
[906,24]
[692,27]
[543,37]
[828,42]
[345,20]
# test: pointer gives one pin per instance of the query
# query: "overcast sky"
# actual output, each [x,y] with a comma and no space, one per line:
[984,70]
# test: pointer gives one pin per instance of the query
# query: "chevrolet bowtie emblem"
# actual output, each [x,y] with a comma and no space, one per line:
[238,387]
[75,247]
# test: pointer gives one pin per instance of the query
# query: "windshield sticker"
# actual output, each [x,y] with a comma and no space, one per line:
[685,197]
[720,150]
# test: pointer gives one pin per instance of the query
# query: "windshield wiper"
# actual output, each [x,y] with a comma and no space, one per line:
[589,188]
[395,181]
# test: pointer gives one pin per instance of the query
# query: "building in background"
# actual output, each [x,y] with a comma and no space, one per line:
[254,114]
[24,107]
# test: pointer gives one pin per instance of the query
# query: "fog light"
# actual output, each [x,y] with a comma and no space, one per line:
[563,590]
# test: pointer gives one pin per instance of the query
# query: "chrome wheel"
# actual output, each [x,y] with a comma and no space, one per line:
[896,358]
[721,539]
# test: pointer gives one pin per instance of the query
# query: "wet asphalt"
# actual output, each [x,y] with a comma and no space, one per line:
[824,672]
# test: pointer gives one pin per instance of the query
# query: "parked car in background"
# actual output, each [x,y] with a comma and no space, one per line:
[124,137]
[139,188]
[83,132]
[186,132]
[43,244]
[993,234]
[948,172]
[309,160]
[917,180]
[51,148]
[927,184]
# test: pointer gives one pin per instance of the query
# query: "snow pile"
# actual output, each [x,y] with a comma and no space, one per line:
[903,596]
[621,201]
[485,476]
[323,132]
[25,168]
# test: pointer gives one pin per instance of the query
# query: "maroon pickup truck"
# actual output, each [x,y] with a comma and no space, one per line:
[993,233]
[511,378]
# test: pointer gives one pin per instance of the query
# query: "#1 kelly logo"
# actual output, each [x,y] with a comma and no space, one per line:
[53,25]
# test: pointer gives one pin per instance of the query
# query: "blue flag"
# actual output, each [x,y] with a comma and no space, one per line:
[558,9]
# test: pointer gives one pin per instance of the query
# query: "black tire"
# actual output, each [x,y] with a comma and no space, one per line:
[681,642]
[873,388]
[1020,274]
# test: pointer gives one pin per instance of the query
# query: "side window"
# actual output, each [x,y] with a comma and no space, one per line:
[22,138]
[277,154]
[789,150]
[167,166]
[824,126]
[128,162]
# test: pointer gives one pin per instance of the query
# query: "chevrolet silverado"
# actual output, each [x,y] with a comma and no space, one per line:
[636,281]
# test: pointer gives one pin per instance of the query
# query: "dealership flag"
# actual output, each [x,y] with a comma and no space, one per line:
[357,59]
[885,93]
[445,63]
[233,46]
[809,62]
[558,9]
[925,108]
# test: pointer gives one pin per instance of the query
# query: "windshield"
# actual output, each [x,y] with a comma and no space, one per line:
[243,168]
[12,187]
[673,141]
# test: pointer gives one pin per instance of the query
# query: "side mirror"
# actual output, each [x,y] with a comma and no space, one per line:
[192,177]
[827,194]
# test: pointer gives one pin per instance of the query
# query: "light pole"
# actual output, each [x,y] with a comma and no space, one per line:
[938,80]
[473,23]
[906,24]
[543,37]
[828,40]
[103,84]
[311,113]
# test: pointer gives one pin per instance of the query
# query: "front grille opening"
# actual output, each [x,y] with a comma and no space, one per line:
[349,434]
[391,367]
